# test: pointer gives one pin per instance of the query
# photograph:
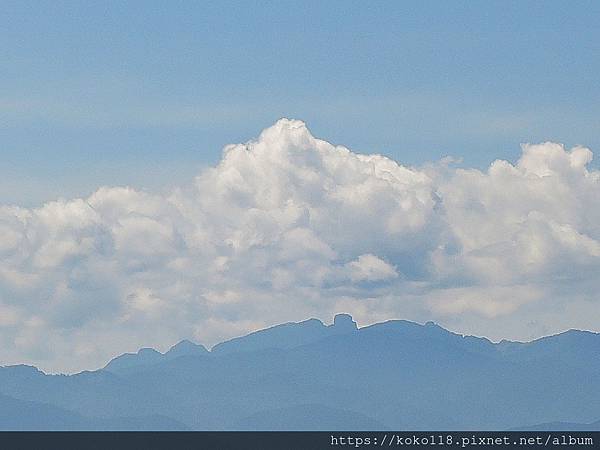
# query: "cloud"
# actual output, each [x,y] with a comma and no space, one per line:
[370,268]
[536,220]
[290,226]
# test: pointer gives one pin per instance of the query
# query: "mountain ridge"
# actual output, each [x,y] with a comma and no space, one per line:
[228,346]
[396,374]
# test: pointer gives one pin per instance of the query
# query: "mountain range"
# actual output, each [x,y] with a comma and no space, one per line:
[395,375]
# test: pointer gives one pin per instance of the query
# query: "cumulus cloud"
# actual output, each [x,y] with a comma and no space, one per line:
[290,226]
[370,268]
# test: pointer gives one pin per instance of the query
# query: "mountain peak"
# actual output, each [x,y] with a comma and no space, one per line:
[186,348]
[344,323]
[144,356]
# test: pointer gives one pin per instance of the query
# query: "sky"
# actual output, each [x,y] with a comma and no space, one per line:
[147,93]
[434,162]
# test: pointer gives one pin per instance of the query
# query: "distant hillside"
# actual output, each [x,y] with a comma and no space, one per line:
[307,375]
[149,356]
[23,415]
[561,426]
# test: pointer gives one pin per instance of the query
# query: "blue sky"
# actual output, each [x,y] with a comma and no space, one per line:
[146,93]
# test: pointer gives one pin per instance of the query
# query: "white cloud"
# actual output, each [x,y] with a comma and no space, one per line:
[370,268]
[290,226]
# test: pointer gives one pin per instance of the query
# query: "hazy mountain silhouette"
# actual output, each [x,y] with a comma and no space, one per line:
[307,375]
[149,356]
[287,335]
[23,415]
[302,417]
[561,426]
